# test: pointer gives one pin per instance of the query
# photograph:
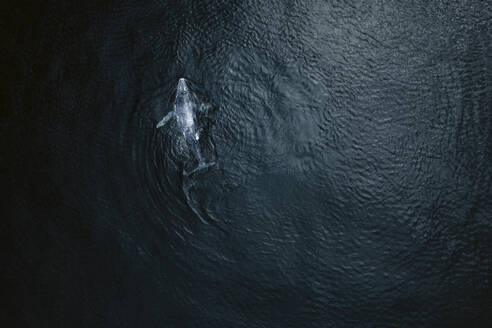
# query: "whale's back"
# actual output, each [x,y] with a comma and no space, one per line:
[184,106]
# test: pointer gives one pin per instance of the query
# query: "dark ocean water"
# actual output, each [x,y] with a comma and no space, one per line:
[352,185]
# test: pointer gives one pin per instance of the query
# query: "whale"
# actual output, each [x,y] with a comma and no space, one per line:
[184,112]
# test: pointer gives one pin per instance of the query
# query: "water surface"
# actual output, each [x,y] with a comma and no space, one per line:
[352,184]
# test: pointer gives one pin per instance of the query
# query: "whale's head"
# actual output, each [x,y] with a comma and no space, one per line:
[182,87]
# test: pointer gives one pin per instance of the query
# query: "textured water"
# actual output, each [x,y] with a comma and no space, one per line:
[352,184]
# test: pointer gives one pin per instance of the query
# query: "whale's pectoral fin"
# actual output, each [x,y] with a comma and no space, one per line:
[207,110]
[206,115]
[204,108]
[165,119]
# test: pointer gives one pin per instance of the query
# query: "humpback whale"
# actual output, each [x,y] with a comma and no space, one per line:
[184,113]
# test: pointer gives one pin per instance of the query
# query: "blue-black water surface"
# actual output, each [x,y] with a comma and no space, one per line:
[352,184]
